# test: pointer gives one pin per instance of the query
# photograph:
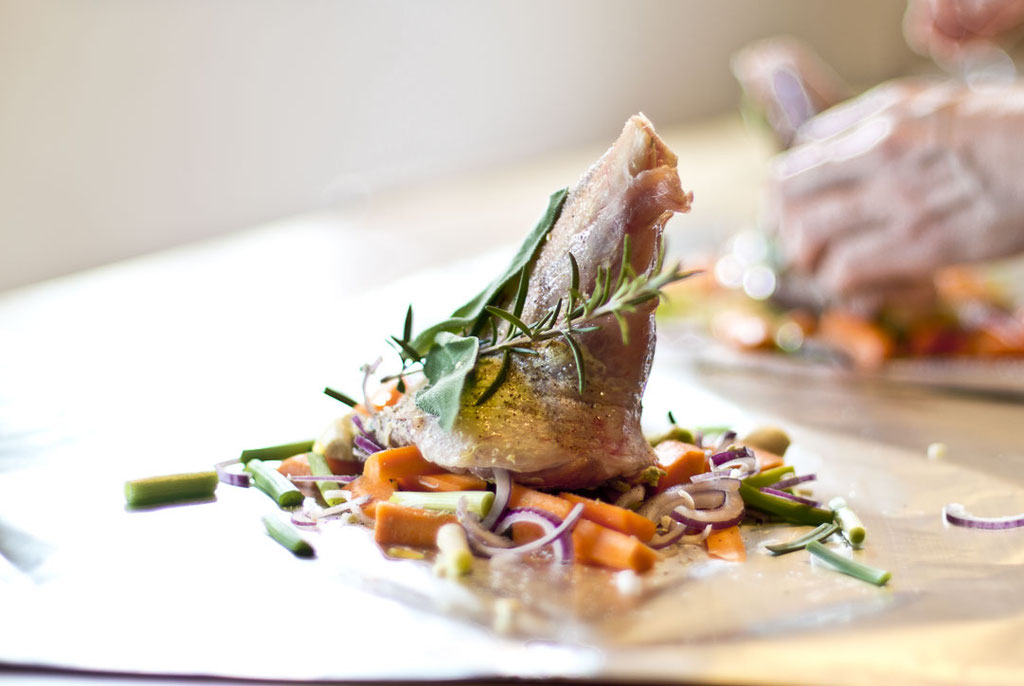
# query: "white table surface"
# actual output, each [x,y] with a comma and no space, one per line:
[173,361]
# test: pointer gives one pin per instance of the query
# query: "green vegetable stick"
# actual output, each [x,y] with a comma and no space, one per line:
[791,511]
[454,558]
[171,488]
[328,489]
[276,452]
[858,570]
[288,536]
[478,502]
[848,521]
[819,534]
[769,476]
[274,484]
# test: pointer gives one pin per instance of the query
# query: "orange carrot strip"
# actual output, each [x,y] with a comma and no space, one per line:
[397,463]
[442,482]
[594,544]
[680,461]
[385,396]
[400,525]
[727,544]
[766,460]
[296,465]
[614,517]
[597,545]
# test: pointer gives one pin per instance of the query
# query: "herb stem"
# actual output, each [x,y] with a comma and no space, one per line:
[276,452]
[318,467]
[478,502]
[287,536]
[819,534]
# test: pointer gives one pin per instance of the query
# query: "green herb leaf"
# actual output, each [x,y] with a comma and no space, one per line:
[498,379]
[407,328]
[446,366]
[524,286]
[340,397]
[577,353]
[467,315]
[408,351]
[511,319]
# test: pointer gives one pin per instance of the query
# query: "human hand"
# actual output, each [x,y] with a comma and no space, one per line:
[881,191]
[945,29]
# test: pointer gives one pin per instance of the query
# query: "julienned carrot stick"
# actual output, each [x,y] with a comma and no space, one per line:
[400,525]
[296,465]
[379,491]
[766,460]
[397,463]
[442,483]
[614,517]
[680,461]
[594,544]
[727,544]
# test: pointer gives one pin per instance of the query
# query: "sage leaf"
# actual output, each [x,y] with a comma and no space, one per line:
[467,315]
[446,366]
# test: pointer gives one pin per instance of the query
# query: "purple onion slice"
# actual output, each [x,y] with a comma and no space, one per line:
[366,444]
[631,498]
[666,501]
[793,481]
[957,514]
[789,496]
[559,533]
[502,492]
[232,478]
[475,530]
[729,455]
[730,513]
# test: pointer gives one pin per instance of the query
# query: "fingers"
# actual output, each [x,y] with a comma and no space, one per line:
[807,227]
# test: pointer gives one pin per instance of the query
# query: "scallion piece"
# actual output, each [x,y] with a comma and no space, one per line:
[477,502]
[288,536]
[769,476]
[276,452]
[328,489]
[790,510]
[858,570]
[848,521]
[819,534]
[157,490]
[274,484]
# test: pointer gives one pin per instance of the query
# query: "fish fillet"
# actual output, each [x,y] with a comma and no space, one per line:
[538,425]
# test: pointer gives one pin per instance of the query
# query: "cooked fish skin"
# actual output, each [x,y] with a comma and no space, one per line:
[538,426]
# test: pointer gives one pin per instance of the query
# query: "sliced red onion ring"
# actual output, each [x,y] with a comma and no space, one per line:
[559,535]
[708,500]
[357,422]
[725,439]
[793,481]
[721,458]
[232,478]
[730,513]
[300,518]
[366,444]
[677,534]
[502,492]
[337,478]
[789,496]
[349,506]
[477,533]
[698,438]
[631,498]
[721,480]
[666,501]
[957,514]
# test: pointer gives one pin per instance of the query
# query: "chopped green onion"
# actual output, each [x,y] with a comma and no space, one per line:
[858,570]
[454,558]
[769,476]
[790,510]
[676,433]
[274,484]
[819,534]
[478,502]
[328,489]
[713,429]
[276,452]
[288,536]
[848,521]
[157,490]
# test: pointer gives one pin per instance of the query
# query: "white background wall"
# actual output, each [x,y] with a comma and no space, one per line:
[130,125]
